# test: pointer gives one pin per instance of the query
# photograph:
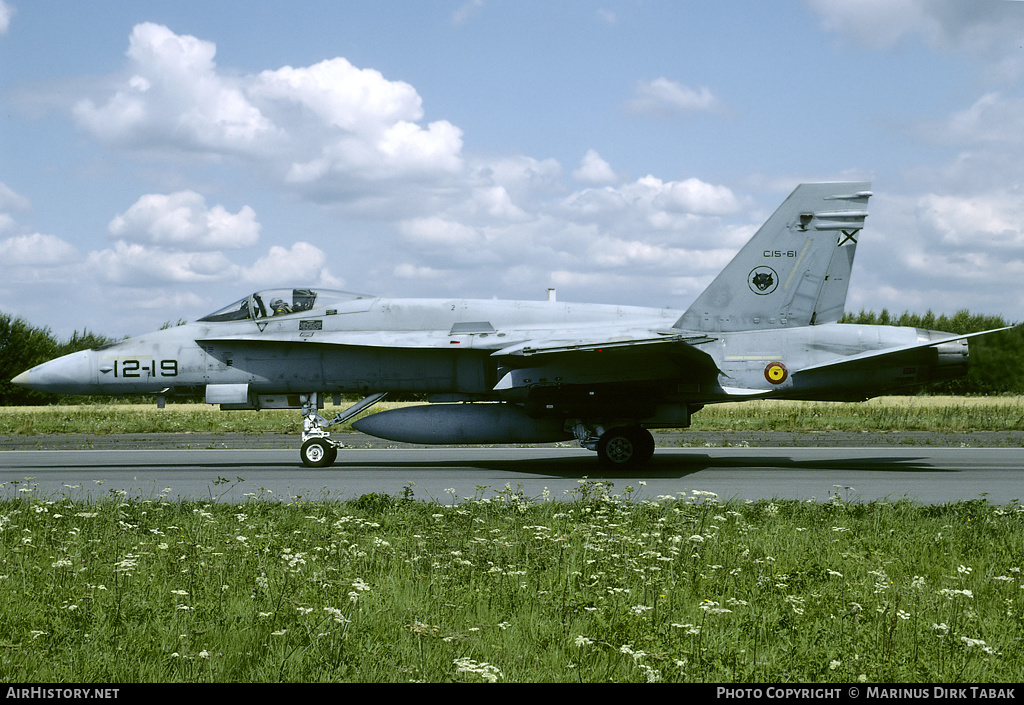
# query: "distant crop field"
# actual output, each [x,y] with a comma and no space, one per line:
[147,418]
[917,413]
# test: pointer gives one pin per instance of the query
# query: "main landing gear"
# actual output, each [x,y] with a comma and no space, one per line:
[623,447]
[318,450]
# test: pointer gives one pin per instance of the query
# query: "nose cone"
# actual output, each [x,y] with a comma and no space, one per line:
[71,374]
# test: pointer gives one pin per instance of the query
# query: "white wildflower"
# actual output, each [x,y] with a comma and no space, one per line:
[953,593]
[486,671]
[978,643]
[713,607]
[335,614]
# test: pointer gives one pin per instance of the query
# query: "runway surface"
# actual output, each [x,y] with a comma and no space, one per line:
[932,475]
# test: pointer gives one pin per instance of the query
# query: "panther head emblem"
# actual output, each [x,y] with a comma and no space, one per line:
[762,280]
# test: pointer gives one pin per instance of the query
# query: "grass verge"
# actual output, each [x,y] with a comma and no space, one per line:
[500,587]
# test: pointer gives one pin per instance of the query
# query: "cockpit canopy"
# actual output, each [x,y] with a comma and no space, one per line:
[280,302]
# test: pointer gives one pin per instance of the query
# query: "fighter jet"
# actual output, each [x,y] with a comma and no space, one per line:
[542,371]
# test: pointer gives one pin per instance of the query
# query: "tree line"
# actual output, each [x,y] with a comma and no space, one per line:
[23,345]
[997,363]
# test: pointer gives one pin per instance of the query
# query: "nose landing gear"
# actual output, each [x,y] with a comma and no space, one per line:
[318,450]
[319,453]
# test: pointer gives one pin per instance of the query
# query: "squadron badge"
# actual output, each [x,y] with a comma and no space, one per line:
[762,280]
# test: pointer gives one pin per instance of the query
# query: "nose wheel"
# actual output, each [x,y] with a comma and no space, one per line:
[318,453]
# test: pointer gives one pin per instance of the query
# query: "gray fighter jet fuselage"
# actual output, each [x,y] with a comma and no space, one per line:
[540,371]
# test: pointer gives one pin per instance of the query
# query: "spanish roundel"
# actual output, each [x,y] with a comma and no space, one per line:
[776,373]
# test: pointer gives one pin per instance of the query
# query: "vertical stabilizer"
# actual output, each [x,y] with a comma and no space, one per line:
[794,271]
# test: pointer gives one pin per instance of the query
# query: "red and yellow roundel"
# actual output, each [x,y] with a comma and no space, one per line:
[776,373]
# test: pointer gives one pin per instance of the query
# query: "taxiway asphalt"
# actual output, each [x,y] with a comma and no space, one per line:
[268,468]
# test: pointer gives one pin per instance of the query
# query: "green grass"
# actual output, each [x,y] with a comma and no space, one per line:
[105,419]
[920,413]
[596,587]
[917,413]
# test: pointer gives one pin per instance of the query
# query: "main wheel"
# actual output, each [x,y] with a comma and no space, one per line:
[626,447]
[318,453]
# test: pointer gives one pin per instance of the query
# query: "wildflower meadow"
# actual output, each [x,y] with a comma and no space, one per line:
[602,585]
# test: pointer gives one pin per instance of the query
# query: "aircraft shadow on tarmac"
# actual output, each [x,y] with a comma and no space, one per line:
[666,466]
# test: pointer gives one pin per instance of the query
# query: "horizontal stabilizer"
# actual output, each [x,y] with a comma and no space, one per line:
[889,352]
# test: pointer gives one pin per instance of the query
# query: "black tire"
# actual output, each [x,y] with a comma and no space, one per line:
[318,453]
[626,447]
[646,445]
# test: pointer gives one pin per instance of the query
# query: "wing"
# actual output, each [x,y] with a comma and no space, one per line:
[555,346]
[605,360]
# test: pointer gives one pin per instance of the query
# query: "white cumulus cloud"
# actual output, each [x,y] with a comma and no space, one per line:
[11,200]
[357,100]
[37,249]
[994,220]
[6,13]
[662,97]
[985,29]
[302,263]
[330,122]
[594,170]
[175,97]
[135,264]
[183,220]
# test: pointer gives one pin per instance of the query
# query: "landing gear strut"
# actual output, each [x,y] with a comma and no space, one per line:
[318,450]
[624,447]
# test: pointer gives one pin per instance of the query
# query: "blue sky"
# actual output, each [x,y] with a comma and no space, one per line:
[160,160]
